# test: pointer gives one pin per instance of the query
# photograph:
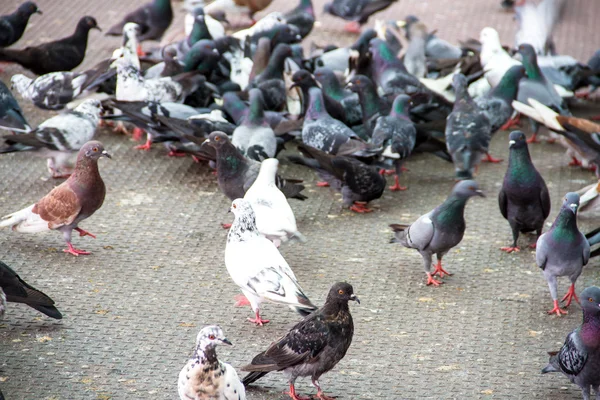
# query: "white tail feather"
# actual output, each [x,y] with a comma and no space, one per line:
[547,114]
[25,221]
[527,111]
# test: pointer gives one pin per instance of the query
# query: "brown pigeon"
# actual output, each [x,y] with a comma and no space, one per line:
[67,204]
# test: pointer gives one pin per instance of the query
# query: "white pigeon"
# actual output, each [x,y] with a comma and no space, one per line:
[274,216]
[266,23]
[59,138]
[536,24]
[50,91]
[204,376]
[257,267]
[130,44]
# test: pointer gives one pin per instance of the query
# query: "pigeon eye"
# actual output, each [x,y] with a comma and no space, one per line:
[591,299]
[340,291]
[471,187]
[95,149]
[211,337]
[234,206]
[217,138]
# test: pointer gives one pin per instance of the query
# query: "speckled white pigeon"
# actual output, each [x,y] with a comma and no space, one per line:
[204,376]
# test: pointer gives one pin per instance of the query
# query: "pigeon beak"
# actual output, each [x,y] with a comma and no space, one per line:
[518,57]
[480,193]
[105,154]
[226,341]
[511,142]
[39,12]
[215,51]
[400,24]
[293,85]
[97,27]
[354,298]
[573,207]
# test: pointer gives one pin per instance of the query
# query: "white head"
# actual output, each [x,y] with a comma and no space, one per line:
[91,107]
[20,83]
[131,31]
[241,208]
[489,36]
[211,336]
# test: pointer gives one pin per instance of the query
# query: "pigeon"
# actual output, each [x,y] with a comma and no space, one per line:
[202,57]
[204,376]
[50,91]
[254,137]
[579,357]
[439,230]
[524,199]
[61,55]
[237,7]
[468,131]
[153,19]
[59,137]
[68,204]
[302,16]
[11,115]
[435,48]
[270,80]
[495,61]
[563,251]
[372,106]
[396,136]
[313,346]
[13,25]
[359,183]
[236,173]
[257,267]
[274,217]
[304,80]
[356,11]
[16,290]
[414,58]
[349,100]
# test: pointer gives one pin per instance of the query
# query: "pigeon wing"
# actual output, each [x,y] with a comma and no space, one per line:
[571,357]
[59,207]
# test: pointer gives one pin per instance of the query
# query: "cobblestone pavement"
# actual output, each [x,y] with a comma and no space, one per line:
[132,309]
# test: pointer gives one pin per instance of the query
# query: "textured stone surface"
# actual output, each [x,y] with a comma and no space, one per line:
[133,308]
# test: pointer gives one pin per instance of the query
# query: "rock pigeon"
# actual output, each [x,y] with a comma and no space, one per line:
[257,267]
[236,173]
[414,57]
[563,251]
[468,131]
[270,80]
[302,16]
[274,216]
[304,80]
[313,346]
[579,357]
[524,199]
[495,61]
[11,115]
[356,11]
[237,7]
[439,230]
[349,100]
[50,91]
[254,137]
[61,55]
[59,137]
[372,106]
[359,183]
[68,204]
[153,19]
[204,376]
[16,290]
[13,25]
[396,136]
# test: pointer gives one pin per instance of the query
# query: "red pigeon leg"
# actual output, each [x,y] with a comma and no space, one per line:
[533,245]
[140,52]
[490,159]
[352,27]
[432,281]
[196,159]
[570,296]
[510,249]
[241,300]
[174,153]
[84,233]
[397,186]
[574,162]
[383,172]
[146,146]
[511,122]
[533,139]
[595,118]
[360,208]
[226,226]
[320,393]
[293,394]
[74,251]
[439,270]
[557,310]
[137,133]
[322,184]
[258,320]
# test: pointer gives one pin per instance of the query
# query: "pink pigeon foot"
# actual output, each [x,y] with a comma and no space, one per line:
[432,281]
[557,310]
[75,252]
[84,233]
[258,320]
[146,146]
[352,27]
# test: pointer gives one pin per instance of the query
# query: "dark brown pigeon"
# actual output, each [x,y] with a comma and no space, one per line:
[67,204]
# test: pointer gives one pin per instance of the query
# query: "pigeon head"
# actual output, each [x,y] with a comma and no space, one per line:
[401,106]
[489,37]
[466,189]
[362,43]
[459,82]
[285,34]
[131,30]
[203,56]
[241,207]
[268,170]
[571,202]
[303,79]
[211,336]
[529,57]
[517,140]
[86,23]
[93,150]
[20,82]
[244,223]
[325,75]
[217,139]
[381,52]
[590,300]
[220,16]
[341,292]
[359,83]
[29,8]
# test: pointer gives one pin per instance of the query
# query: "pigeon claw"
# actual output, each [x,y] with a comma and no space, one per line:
[174,153]
[510,249]
[241,300]
[360,208]
[570,296]
[322,396]
[84,233]
[439,270]
[383,172]
[352,27]
[533,139]
[511,122]
[490,159]
[225,226]
[146,146]
[557,310]
[293,395]
[76,252]
[396,187]
[432,281]
[533,246]
[258,320]
[322,184]
[574,162]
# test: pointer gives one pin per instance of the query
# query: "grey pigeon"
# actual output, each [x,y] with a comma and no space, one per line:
[12,26]
[579,357]
[356,11]
[439,230]
[11,115]
[236,173]
[302,16]
[68,204]
[563,251]
[468,131]
[59,137]
[349,100]
[313,346]
[524,199]
[359,183]
[205,375]
[50,91]
[270,80]
[153,19]
[414,58]
[254,137]
[15,290]
[435,48]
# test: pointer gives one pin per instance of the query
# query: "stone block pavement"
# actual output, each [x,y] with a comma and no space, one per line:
[133,308]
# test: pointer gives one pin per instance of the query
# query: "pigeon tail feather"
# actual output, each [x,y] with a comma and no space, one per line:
[25,221]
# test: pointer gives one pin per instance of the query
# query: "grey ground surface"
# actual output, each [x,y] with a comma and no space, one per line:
[133,308]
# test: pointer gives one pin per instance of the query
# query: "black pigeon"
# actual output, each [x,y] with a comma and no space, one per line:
[359,183]
[17,290]
[356,11]
[152,18]
[313,346]
[524,200]
[61,55]
[302,17]
[11,115]
[236,173]
[304,80]
[579,357]
[13,25]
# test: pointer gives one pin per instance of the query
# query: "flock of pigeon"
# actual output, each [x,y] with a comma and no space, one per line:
[357,113]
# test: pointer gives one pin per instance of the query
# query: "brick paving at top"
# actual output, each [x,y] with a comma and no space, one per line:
[133,308]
